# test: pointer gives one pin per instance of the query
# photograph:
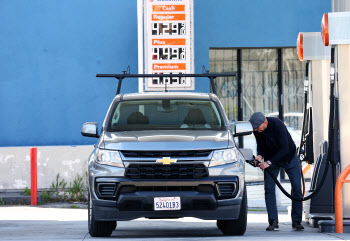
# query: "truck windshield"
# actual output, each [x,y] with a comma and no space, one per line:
[165,114]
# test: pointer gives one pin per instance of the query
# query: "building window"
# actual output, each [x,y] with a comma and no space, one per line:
[293,89]
[225,60]
[259,81]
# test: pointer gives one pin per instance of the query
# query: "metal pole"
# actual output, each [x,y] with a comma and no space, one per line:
[212,84]
[120,80]
[140,41]
[280,95]
[280,85]
[33,174]
[240,94]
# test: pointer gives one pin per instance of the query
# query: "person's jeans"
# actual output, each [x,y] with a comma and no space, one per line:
[294,173]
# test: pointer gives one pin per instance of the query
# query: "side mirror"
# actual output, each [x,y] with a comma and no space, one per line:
[241,128]
[90,129]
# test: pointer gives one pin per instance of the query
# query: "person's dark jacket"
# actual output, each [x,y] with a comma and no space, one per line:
[275,143]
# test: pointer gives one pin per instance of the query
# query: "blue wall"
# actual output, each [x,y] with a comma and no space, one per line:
[50,52]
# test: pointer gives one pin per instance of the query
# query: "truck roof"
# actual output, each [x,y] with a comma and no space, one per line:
[172,95]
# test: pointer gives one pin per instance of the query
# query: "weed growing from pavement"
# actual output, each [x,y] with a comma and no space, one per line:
[59,192]
[76,191]
[2,202]
[27,191]
[46,197]
[74,206]
[57,188]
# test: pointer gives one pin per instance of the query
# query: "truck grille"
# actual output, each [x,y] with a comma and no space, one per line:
[106,190]
[132,188]
[226,188]
[159,171]
[159,154]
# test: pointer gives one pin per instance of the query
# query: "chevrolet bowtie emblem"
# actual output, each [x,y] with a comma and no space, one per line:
[166,160]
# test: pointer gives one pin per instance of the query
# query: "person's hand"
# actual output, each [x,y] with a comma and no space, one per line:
[263,165]
[258,159]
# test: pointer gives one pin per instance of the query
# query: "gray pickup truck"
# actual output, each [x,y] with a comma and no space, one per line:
[166,155]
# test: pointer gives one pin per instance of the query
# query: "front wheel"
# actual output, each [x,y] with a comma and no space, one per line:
[220,224]
[98,228]
[237,226]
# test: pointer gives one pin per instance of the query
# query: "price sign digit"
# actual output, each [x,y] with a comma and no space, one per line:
[166,28]
[174,53]
[155,29]
[174,29]
[155,53]
[166,53]
[155,80]
[182,28]
[182,53]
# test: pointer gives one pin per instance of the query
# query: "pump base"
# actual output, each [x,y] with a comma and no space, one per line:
[328,226]
[315,217]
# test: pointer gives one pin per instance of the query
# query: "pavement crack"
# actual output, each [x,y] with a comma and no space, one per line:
[334,235]
[85,236]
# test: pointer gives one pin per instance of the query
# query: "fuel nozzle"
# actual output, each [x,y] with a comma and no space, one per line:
[253,162]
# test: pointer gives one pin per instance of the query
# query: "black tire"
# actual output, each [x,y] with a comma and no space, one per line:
[220,224]
[114,225]
[98,228]
[237,226]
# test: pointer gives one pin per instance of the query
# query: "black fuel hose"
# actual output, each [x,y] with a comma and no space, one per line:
[285,192]
[302,142]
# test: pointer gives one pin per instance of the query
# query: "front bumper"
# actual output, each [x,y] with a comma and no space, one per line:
[206,198]
[103,213]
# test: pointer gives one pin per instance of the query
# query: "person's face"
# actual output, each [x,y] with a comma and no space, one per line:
[261,128]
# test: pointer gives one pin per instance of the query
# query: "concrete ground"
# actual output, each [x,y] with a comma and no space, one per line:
[52,223]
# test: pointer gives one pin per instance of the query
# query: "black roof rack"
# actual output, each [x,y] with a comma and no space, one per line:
[126,74]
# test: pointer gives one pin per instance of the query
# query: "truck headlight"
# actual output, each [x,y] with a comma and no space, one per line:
[111,158]
[222,157]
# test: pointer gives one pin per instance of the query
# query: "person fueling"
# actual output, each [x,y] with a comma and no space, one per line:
[276,150]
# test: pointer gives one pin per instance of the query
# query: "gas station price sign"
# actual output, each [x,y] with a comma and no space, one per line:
[168,27]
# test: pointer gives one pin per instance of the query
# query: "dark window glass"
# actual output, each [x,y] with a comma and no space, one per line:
[166,115]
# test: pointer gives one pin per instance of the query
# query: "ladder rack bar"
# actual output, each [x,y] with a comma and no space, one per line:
[211,77]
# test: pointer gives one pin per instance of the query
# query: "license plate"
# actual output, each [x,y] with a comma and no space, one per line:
[167,203]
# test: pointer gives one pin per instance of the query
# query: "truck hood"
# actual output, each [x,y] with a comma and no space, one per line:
[166,140]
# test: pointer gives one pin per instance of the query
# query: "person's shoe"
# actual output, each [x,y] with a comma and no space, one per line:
[273,226]
[297,226]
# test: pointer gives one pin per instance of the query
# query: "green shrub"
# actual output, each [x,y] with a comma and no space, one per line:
[58,191]
[57,188]
[27,192]
[46,197]
[76,191]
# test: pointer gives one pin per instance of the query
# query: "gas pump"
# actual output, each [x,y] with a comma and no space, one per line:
[335,33]
[313,147]
[319,199]
[322,133]
[323,139]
